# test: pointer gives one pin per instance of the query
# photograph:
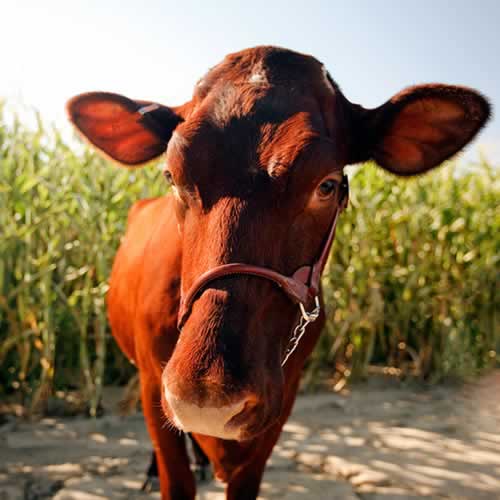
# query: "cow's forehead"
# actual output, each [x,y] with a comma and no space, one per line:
[266,66]
[258,109]
[260,87]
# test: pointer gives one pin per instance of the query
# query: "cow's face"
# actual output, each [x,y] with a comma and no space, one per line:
[255,161]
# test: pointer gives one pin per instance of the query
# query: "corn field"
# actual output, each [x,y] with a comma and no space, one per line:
[412,284]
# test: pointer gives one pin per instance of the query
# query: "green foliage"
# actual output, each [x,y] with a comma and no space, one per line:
[412,283]
[413,279]
[61,218]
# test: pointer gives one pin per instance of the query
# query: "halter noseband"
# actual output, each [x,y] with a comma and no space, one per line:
[301,288]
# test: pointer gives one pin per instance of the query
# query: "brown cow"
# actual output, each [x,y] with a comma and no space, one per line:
[255,162]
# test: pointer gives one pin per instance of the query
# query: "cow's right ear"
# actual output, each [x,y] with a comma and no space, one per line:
[418,128]
[129,132]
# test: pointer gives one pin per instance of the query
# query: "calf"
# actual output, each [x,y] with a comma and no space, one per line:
[215,282]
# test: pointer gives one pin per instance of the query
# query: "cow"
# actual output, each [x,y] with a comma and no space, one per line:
[214,292]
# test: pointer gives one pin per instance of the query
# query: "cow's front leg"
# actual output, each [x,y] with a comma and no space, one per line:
[152,483]
[176,479]
[245,484]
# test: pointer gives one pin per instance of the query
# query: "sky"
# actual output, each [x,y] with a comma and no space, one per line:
[157,50]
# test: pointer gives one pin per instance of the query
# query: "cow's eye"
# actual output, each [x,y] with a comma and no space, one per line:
[168,176]
[327,188]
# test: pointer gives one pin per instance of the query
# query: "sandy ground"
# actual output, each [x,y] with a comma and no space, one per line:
[376,442]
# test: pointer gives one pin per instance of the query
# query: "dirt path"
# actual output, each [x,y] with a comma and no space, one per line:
[374,443]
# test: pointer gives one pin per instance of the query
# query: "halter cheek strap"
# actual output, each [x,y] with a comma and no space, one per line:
[302,287]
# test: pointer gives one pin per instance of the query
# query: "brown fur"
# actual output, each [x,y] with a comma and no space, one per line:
[264,128]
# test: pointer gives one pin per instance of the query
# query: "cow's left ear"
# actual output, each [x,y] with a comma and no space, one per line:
[127,131]
[418,128]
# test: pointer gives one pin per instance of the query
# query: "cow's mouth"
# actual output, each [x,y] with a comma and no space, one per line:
[239,421]
[250,422]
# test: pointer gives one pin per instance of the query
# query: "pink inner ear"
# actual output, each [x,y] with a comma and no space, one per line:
[133,148]
[400,149]
[423,133]
[427,121]
[101,129]
[434,109]
[418,130]
[103,110]
[115,129]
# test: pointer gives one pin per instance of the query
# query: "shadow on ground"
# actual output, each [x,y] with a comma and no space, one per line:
[373,443]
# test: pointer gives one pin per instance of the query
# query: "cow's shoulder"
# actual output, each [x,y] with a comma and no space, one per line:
[144,266]
[145,208]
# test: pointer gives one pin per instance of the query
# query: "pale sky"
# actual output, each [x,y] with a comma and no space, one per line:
[157,50]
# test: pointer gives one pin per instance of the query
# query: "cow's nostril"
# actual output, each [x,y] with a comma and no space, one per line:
[236,411]
[243,415]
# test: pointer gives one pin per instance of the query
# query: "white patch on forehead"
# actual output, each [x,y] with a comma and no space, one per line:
[273,167]
[327,81]
[258,77]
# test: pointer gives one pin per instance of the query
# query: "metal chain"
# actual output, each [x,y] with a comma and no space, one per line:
[300,328]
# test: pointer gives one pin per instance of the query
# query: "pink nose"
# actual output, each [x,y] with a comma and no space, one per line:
[207,420]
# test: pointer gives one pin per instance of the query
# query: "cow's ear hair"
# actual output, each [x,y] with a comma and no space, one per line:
[127,131]
[418,128]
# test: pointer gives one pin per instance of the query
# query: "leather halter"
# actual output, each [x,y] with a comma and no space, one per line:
[301,287]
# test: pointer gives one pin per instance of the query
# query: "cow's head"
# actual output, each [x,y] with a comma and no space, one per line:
[255,160]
